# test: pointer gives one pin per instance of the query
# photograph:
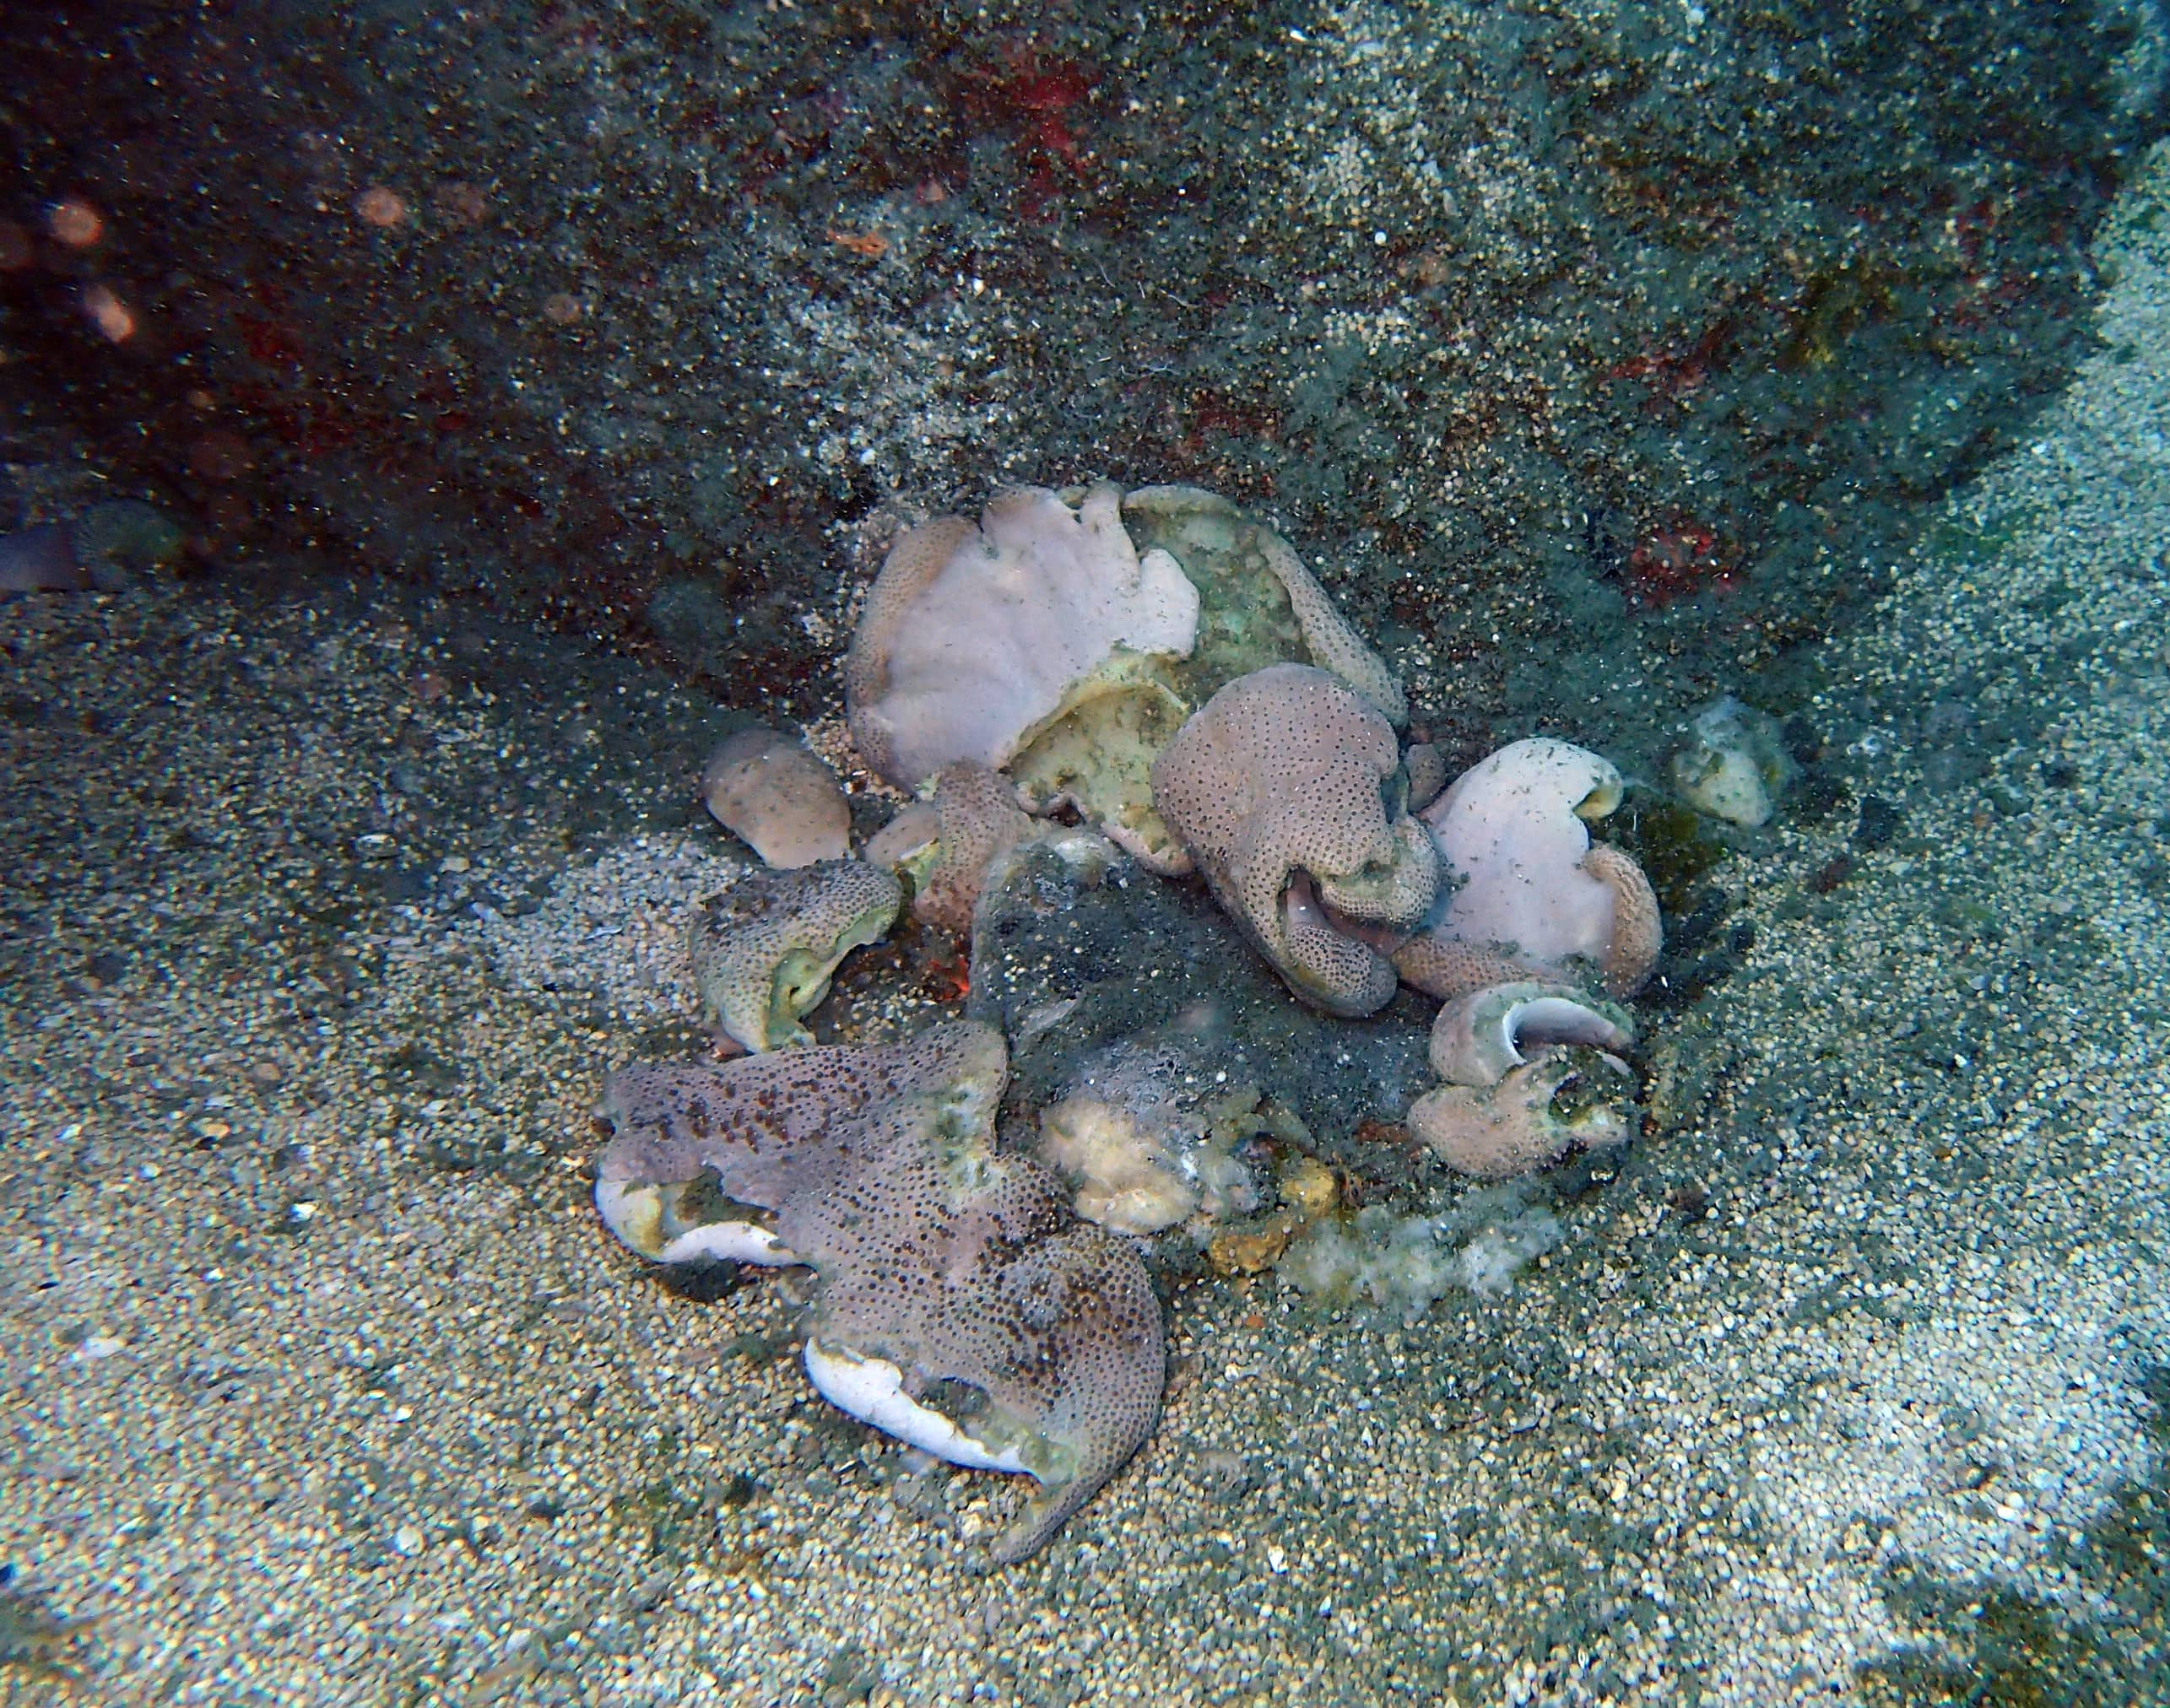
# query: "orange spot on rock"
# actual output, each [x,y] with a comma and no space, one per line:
[75,223]
[381,208]
[949,980]
[115,320]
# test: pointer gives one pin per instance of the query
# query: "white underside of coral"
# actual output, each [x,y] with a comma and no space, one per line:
[633,1213]
[872,1390]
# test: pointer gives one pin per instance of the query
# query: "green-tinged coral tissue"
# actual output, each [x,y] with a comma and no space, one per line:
[1065,638]
[764,951]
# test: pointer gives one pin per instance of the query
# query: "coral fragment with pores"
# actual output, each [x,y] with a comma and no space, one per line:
[764,951]
[1533,1073]
[1287,787]
[778,796]
[977,819]
[1563,1098]
[959,1305]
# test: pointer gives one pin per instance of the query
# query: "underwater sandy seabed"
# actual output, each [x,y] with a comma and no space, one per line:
[324,1385]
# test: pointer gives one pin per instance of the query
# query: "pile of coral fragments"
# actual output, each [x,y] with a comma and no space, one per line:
[1094,677]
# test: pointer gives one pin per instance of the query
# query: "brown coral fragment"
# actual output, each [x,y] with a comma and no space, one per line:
[959,1304]
[1446,967]
[1308,1190]
[1334,641]
[1252,1247]
[1638,931]
[976,818]
[1427,774]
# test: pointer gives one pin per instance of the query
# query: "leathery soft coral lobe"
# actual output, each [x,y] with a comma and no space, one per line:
[977,635]
[959,1304]
[1287,789]
[1526,894]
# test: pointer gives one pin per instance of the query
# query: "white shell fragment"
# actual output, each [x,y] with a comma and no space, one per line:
[645,1217]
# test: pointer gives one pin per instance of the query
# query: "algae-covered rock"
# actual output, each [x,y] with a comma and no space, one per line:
[1734,764]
